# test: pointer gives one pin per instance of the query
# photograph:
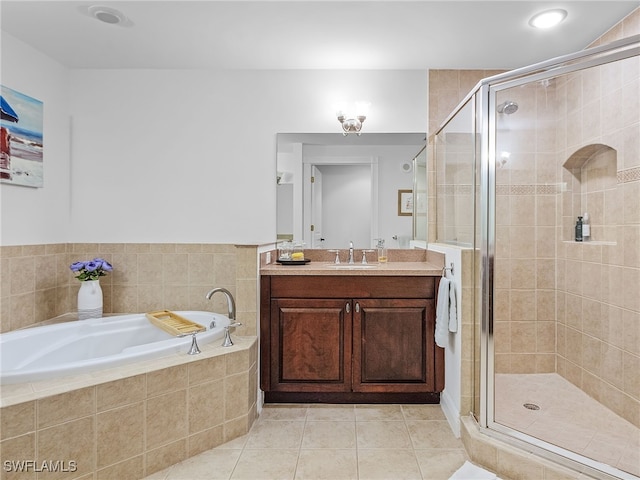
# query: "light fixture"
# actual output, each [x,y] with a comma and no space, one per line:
[352,123]
[548,18]
[106,14]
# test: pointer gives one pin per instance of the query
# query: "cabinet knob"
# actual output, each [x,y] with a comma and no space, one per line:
[348,307]
[357,307]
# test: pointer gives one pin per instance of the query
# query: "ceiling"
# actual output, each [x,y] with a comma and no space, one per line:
[304,34]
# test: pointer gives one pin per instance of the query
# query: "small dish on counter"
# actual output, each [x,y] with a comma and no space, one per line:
[293,262]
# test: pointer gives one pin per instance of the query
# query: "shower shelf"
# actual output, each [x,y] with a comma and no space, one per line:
[590,242]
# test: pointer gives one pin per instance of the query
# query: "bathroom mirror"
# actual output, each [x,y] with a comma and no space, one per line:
[333,189]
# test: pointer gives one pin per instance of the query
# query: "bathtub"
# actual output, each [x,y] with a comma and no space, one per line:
[71,348]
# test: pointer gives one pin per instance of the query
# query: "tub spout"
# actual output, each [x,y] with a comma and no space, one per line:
[227,336]
[230,301]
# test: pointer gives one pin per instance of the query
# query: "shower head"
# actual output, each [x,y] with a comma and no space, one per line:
[508,107]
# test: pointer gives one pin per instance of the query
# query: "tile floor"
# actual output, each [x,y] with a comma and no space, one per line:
[333,442]
[568,417]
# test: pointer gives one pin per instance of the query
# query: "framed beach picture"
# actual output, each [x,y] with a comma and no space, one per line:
[405,203]
[21,146]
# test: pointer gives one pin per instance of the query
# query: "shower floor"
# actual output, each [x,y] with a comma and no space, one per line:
[568,418]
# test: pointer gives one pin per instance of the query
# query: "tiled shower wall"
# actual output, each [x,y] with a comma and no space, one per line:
[598,312]
[36,283]
[561,306]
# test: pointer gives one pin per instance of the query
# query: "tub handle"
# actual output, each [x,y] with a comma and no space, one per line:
[194,350]
[227,342]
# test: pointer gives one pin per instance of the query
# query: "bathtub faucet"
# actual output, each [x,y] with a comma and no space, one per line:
[232,314]
[230,301]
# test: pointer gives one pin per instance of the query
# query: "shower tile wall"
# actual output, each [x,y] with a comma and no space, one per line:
[36,283]
[447,88]
[526,204]
[577,312]
[598,301]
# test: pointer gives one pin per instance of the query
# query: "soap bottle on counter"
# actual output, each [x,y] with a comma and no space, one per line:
[382,251]
[579,230]
[586,228]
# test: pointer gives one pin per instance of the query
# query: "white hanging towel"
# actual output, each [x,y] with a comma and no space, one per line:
[453,308]
[442,313]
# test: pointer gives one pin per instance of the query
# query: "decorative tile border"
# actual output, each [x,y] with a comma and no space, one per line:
[542,189]
[629,175]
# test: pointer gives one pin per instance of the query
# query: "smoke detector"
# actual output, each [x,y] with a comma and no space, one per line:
[106,14]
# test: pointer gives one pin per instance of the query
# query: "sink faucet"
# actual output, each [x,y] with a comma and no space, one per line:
[232,314]
[351,252]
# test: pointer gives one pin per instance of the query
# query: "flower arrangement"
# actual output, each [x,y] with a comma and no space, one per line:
[91,270]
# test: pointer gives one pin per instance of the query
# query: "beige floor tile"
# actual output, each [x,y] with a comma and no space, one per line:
[336,413]
[275,434]
[212,464]
[432,434]
[365,413]
[423,412]
[440,464]
[327,464]
[266,464]
[236,444]
[377,434]
[329,435]
[385,464]
[283,412]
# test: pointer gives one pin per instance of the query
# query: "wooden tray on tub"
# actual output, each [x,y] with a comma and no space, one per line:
[173,323]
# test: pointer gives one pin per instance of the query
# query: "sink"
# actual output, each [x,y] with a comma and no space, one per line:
[347,266]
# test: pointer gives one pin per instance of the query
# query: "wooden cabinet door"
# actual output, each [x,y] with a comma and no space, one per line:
[311,345]
[393,345]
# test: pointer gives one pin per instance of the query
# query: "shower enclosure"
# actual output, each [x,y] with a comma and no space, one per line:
[555,354]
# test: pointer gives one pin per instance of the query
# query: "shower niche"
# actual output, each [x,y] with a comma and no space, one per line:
[591,186]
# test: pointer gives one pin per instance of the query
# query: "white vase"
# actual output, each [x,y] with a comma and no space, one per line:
[89,300]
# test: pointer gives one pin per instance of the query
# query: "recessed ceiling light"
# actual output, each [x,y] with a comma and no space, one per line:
[106,14]
[548,18]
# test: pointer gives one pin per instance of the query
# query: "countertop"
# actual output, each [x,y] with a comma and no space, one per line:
[425,269]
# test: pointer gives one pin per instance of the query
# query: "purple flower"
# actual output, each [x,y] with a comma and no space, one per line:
[91,270]
[91,266]
[77,266]
[106,266]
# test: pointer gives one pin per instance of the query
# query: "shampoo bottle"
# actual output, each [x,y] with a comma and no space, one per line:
[586,228]
[579,230]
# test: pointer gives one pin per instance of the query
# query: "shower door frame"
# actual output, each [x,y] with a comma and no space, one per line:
[486,92]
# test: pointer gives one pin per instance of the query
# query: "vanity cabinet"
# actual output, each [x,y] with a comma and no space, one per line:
[349,339]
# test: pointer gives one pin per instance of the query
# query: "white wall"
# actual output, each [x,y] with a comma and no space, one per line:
[190,155]
[450,397]
[38,215]
[177,156]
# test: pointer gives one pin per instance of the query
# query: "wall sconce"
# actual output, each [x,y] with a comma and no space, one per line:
[352,123]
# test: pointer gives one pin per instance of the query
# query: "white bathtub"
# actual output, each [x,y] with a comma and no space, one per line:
[53,351]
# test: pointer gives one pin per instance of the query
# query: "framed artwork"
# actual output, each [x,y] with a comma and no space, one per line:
[21,145]
[405,203]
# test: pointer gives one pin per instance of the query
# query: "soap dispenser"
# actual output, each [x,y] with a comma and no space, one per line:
[579,230]
[382,251]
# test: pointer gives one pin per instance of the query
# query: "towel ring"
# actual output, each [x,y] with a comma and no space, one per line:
[444,270]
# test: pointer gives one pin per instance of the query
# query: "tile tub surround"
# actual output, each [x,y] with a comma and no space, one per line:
[36,283]
[132,421]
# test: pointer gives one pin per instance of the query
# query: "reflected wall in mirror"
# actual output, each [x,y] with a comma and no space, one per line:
[333,189]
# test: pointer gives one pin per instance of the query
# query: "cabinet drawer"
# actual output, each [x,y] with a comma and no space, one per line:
[352,287]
